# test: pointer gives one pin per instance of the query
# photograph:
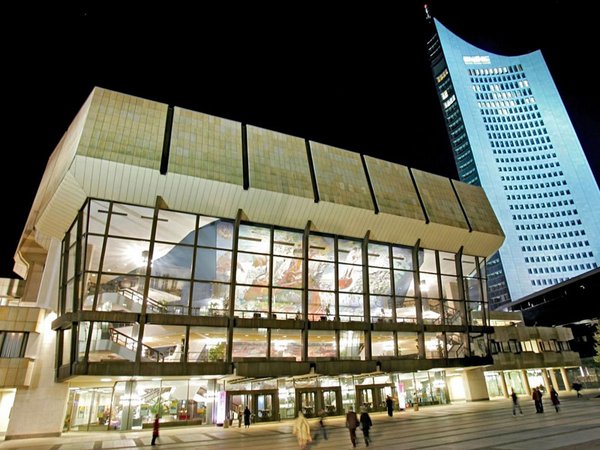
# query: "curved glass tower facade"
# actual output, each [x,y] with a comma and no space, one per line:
[511,135]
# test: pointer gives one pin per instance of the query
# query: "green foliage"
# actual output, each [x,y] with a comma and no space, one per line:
[597,344]
[217,353]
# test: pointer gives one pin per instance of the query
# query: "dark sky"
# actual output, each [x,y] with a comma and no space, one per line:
[355,77]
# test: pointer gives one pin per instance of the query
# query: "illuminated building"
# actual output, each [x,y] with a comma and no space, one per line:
[196,264]
[510,134]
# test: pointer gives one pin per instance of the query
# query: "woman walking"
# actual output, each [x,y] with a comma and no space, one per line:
[247,414]
[155,428]
[301,430]
[554,399]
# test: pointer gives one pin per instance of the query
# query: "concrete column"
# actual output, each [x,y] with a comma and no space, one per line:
[503,384]
[553,379]
[525,381]
[565,378]
[546,380]
[475,386]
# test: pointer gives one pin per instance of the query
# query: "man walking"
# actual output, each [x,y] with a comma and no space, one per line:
[516,404]
[352,424]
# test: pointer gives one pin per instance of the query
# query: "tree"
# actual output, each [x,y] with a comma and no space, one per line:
[597,344]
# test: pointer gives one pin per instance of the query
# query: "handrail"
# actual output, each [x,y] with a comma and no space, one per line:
[128,342]
[138,297]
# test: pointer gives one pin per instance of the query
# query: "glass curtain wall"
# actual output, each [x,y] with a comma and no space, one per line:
[127,258]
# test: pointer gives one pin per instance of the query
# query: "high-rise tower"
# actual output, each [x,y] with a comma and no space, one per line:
[510,134]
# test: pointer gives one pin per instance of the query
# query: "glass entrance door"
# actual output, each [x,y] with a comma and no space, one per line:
[365,397]
[330,401]
[308,403]
[264,407]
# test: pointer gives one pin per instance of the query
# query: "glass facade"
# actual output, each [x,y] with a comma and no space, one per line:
[192,290]
[511,135]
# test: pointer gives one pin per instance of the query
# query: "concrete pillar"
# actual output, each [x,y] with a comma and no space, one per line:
[503,384]
[553,379]
[525,381]
[45,399]
[565,378]
[546,380]
[475,386]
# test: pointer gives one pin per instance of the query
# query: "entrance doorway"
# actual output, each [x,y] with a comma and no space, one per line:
[373,397]
[264,405]
[312,400]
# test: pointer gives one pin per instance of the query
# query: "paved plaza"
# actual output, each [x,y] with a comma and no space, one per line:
[480,425]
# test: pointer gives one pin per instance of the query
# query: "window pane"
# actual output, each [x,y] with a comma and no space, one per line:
[93,251]
[125,256]
[12,344]
[455,346]
[432,311]
[454,312]
[321,275]
[254,239]
[167,296]
[252,269]
[322,344]
[408,346]
[447,263]
[207,344]
[352,344]
[287,272]
[251,300]
[434,345]
[176,227]
[469,267]
[349,251]
[113,341]
[429,286]
[381,308]
[131,221]
[163,343]
[120,293]
[213,264]
[351,307]
[321,305]
[286,344]
[320,247]
[215,233]
[66,348]
[174,261]
[473,288]
[379,281]
[351,278]
[288,302]
[287,243]
[382,343]
[210,299]
[404,283]
[83,333]
[427,261]
[450,288]
[98,211]
[402,258]
[406,310]
[249,343]
[379,255]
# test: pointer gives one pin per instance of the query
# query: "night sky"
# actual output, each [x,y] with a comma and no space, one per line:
[353,77]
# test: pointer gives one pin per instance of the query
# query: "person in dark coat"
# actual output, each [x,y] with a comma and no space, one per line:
[516,404]
[389,403]
[365,424]
[155,428]
[247,415]
[352,424]
[554,399]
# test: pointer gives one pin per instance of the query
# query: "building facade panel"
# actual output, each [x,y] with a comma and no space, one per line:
[206,146]
[394,190]
[278,162]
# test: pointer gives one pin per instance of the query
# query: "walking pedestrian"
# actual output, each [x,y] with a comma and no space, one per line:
[537,400]
[247,414]
[515,403]
[365,424]
[554,399]
[352,423]
[301,430]
[577,386]
[322,428]
[155,428]
[389,403]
